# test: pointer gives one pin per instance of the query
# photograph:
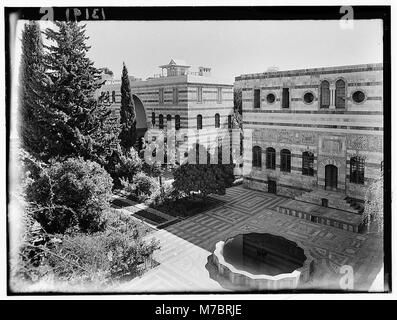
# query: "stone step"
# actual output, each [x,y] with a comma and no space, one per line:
[335,200]
[322,215]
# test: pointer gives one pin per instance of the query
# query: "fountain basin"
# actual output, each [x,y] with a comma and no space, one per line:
[263,261]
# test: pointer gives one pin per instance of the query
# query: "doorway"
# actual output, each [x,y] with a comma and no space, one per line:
[271,186]
[331,177]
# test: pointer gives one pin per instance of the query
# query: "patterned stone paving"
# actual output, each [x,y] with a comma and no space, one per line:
[186,246]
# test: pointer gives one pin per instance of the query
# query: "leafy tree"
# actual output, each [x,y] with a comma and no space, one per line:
[68,194]
[202,179]
[31,90]
[237,100]
[154,170]
[123,166]
[77,124]
[127,114]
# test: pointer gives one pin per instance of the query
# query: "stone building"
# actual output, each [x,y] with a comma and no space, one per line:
[190,103]
[314,134]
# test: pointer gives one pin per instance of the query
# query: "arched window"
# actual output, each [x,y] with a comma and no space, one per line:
[257,157]
[285,160]
[357,170]
[161,121]
[340,94]
[270,158]
[199,122]
[308,163]
[169,119]
[324,95]
[229,121]
[217,120]
[177,122]
[153,118]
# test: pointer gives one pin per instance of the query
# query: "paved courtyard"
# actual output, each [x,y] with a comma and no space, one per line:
[187,246]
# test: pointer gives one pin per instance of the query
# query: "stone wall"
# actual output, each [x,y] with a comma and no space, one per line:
[333,134]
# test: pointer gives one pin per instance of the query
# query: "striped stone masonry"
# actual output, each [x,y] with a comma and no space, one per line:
[187,96]
[336,113]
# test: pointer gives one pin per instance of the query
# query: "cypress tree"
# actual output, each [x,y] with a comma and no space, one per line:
[127,114]
[78,123]
[31,89]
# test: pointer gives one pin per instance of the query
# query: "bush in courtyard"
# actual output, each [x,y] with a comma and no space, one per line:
[164,194]
[118,251]
[110,254]
[153,170]
[142,187]
[123,166]
[70,194]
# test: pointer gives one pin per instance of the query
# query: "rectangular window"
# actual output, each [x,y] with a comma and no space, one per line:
[199,94]
[219,95]
[285,103]
[229,121]
[357,170]
[175,95]
[308,164]
[161,95]
[257,98]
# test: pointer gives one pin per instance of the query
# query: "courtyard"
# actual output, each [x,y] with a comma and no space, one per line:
[187,246]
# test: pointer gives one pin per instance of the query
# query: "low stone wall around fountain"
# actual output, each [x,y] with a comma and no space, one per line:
[285,281]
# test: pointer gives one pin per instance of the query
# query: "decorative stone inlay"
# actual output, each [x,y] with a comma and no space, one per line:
[365,142]
[332,146]
[285,136]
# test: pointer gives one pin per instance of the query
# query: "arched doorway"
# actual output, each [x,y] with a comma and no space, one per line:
[141,122]
[331,177]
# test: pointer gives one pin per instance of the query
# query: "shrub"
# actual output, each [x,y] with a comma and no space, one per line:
[153,170]
[142,187]
[71,194]
[123,167]
[112,254]
[118,251]
[164,194]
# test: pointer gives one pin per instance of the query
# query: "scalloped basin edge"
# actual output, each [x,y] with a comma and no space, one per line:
[263,281]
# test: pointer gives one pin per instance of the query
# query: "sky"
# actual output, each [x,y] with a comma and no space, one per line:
[232,48]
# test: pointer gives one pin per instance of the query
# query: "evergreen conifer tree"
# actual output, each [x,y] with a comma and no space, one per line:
[31,108]
[78,124]
[127,114]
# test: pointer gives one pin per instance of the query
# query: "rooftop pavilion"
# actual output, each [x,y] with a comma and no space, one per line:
[178,67]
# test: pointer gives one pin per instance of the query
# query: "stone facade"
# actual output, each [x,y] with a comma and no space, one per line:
[335,113]
[178,93]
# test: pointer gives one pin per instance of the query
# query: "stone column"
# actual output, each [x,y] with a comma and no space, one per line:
[332,95]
